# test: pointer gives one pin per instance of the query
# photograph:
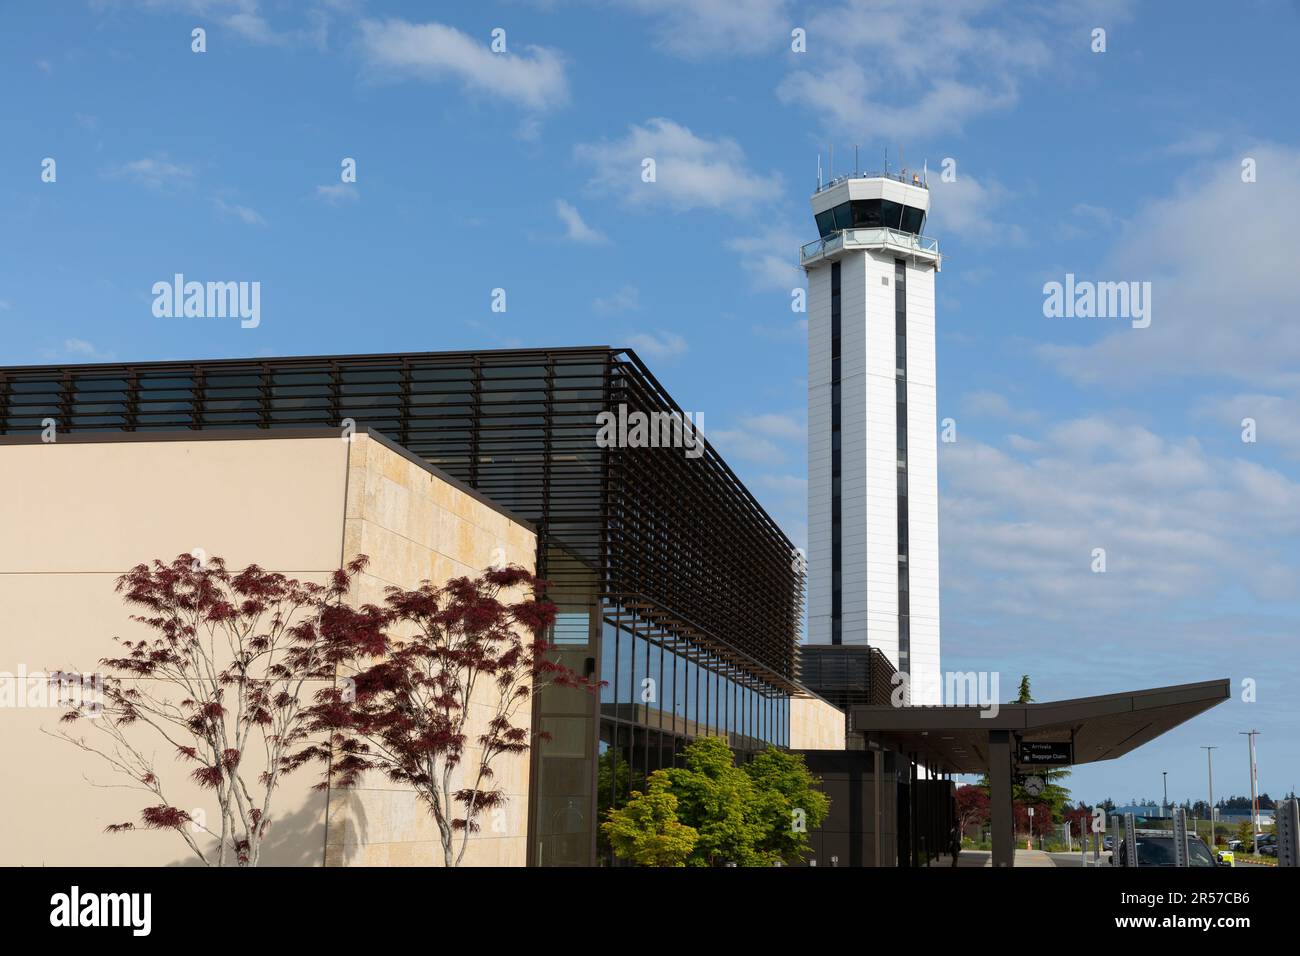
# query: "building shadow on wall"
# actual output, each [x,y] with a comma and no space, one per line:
[299,838]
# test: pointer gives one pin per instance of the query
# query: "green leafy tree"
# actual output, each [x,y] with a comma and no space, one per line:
[1246,834]
[720,801]
[646,830]
[789,801]
[727,814]
[615,783]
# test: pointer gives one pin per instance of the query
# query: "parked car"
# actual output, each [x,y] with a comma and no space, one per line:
[1158,850]
[1108,843]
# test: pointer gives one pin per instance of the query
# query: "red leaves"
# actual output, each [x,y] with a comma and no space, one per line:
[207,777]
[407,717]
[160,817]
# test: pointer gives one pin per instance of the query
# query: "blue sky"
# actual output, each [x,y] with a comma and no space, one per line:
[521,171]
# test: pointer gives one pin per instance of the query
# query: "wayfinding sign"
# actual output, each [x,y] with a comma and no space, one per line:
[1046,753]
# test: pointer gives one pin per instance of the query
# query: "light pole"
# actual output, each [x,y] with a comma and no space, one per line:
[1250,736]
[1164,808]
[1209,754]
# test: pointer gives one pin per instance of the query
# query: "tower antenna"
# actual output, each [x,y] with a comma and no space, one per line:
[831,168]
[855,160]
[819,170]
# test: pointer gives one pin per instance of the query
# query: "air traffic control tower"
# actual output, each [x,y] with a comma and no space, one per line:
[873,495]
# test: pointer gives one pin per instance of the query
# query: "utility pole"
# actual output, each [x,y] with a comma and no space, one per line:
[1250,735]
[1209,754]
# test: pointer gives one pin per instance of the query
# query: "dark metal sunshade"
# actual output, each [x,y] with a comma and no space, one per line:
[682,539]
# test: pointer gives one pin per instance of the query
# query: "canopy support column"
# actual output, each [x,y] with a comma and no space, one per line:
[1003,820]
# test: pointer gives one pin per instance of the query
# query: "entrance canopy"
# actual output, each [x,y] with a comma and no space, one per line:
[957,739]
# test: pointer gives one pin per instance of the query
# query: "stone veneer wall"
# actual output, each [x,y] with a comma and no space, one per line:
[815,725]
[413,526]
[75,514]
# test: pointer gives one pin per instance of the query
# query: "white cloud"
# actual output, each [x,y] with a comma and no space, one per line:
[1276,417]
[1221,258]
[987,404]
[244,214]
[782,427]
[253,26]
[736,443]
[691,172]
[969,208]
[762,438]
[336,193]
[156,172]
[1020,524]
[245,18]
[703,28]
[770,258]
[533,78]
[660,345]
[575,228]
[626,299]
[903,71]
[77,350]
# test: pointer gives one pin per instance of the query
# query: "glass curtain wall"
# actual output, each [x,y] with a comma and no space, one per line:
[658,696]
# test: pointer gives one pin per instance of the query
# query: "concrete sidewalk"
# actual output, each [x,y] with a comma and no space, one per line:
[985,858]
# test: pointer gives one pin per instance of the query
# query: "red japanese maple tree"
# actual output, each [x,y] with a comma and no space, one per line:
[225,688]
[972,807]
[410,717]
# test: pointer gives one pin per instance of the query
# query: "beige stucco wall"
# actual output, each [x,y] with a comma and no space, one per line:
[815,725]
[75,515]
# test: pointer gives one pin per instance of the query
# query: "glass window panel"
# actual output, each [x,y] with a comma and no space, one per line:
[715,708]
[659,692]
[640,664]
[681,699]
[625,649]
[608,666]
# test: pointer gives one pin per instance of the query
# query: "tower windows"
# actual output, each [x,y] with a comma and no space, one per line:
[837,593]
[900,399]
[870,214]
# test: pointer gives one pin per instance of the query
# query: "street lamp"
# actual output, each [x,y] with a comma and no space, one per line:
[1209,754]
[1165,806]
[1250,735]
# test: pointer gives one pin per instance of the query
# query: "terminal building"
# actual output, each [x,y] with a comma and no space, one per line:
[664,567]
